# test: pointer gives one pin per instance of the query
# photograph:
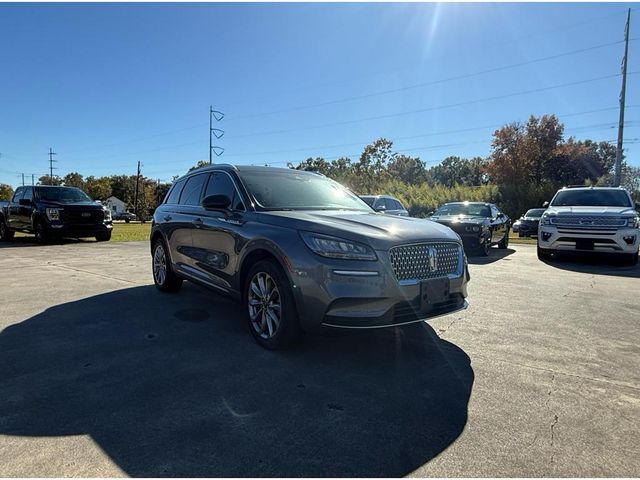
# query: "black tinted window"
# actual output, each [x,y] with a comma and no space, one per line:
[368,200]
[28,193]
[174,194]
[592,198]
[193,190]
[62,194]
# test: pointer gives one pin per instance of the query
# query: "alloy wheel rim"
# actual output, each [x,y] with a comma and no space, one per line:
[159,265]
[264,303]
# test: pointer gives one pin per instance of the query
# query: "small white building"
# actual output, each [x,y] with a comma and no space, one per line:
[116,205]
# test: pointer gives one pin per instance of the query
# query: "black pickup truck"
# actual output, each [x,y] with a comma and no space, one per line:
[54,212]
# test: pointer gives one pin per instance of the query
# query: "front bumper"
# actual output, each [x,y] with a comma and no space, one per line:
[624,240]
[79,231]
[364,294]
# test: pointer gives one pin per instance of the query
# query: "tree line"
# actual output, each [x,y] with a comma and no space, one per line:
[527,163]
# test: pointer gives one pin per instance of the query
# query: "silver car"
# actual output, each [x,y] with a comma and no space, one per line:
[302,253]
[385,204]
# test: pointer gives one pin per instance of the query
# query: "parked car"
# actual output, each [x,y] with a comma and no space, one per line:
[590,219]
[481,225]
[303,253]
[385,204]
[527,225]
[51,212]
[126,216]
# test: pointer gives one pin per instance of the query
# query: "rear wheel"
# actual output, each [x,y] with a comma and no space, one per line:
[270,308]
[5,233]
[163,276]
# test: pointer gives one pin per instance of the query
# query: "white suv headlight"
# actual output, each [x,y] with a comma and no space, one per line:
[333,247]
[633,222]
[544,220]
[53,213]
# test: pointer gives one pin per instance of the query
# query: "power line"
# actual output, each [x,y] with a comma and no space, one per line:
[430,83]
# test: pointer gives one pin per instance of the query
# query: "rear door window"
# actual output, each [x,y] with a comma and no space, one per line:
[192,191]
[174,194]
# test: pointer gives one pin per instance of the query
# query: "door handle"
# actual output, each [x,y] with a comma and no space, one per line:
[167,218]
[197,222]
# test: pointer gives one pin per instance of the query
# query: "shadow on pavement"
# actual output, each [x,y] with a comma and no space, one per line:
[595,263]
[30,241]
[173,385]
[495,254]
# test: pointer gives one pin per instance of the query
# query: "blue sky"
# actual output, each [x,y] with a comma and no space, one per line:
[106,85]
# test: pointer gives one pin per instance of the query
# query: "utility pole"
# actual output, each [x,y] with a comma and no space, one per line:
[33,179]
[51,167]
[618,168]
[214,132]
[23,179]
[135,197]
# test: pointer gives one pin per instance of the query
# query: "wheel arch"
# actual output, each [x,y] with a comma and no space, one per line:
[260,250]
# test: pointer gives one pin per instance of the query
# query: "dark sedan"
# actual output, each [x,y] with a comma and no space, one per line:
[480,225]
[303,253]
[528,223]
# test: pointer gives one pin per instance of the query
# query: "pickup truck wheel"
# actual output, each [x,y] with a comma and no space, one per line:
[41,234]
[269,306]
[103,237]
[163,276]
[543,253]
[5,233]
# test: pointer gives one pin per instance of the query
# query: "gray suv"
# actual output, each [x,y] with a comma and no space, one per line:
[303,253]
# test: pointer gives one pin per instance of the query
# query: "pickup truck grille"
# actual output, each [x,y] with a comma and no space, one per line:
[421,261]
[589,222]
[83,217]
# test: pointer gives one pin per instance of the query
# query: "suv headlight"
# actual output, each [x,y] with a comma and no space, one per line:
[333,247]
[633,222]
[53,213]
[544,220]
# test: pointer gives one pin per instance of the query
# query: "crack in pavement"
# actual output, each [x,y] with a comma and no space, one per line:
[79,270]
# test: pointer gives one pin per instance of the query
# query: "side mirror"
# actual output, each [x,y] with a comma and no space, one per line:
[24,202]
[216,202]
[381,208]
[545,204]
[500,215]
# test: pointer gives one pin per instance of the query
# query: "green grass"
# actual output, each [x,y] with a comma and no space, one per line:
[513,238]
[130,232]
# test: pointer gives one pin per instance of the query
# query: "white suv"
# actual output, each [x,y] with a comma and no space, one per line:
[590,219]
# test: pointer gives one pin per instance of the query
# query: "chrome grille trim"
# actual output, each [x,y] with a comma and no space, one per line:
[410,263]
[589,222]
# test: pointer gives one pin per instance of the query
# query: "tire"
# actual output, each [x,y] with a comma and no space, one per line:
[543,253]
[485,248]
[5,234]
[504,243]
[266,287]
[40,231]
[126,220]
[103,237]
[164,278]
[630,258]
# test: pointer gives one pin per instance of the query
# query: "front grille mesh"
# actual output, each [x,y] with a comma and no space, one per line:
[79,217]
[589,222]
[412,262]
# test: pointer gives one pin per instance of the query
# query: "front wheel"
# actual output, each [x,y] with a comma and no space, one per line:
[5,233]
[103,237]
[270,308]
[485,247]
[504,243]
[163,276]
[42,236]
[630,258]
[543,253]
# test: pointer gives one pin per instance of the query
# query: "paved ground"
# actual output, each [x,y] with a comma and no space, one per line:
[101,375]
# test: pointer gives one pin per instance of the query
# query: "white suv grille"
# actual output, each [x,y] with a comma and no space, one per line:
[589,222]
[421,261]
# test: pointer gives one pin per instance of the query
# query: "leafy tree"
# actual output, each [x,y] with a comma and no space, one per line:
[48,180]
[98,188]
[123,187]
[317,164]
[200,164]
[407,169]
[6,192]
[73,179]
[459,171]
[371,168]
[576,162]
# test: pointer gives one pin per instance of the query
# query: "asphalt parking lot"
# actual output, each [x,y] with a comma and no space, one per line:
[101,375]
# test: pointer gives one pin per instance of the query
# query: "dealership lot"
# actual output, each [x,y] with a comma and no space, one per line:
[101,375]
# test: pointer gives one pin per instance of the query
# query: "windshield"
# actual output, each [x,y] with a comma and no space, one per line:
[467,210]
[535,212]
[591,198]
[62,194]
[296,190]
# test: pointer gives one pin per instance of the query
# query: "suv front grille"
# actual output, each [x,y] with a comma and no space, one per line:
[421,261]
[589,222]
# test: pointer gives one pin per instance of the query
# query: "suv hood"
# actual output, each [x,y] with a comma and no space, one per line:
[378,230]
[612,211]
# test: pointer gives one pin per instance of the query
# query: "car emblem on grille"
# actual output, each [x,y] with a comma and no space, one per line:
[586,222]
[86,214]
[432,259]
